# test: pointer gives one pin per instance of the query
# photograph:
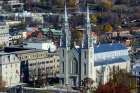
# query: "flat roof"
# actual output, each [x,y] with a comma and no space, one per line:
[111,61]
[21,50]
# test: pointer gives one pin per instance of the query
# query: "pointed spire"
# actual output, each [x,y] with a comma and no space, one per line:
[66,14]
[66,38]
[88,22]
[87,36]
[88,18]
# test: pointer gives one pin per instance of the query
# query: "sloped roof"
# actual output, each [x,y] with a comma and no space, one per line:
[112,61]
[54,31]
[109,47]
[136,68]
[105,47]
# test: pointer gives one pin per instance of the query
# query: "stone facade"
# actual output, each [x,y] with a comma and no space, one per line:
[4,34]
[9,69]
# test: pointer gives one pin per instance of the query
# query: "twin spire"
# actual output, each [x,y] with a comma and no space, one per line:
[87,39]
[66,14]
[87,35]
[65,40]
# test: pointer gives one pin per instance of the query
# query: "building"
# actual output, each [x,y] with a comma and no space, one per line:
[32,32]
[14,6]
[1,2]
[15,39]
[136,72]
[89,60]
[9,69]
[35,64]
[44,45]
[52,34]
[49,89]
[4,34]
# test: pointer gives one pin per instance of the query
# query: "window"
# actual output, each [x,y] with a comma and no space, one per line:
[85,55]
[63,52]
[113,68]
[74,66]
[63,67]
[9,58]
[91,68]
[57,60]
[5,66]
[16,65]
[85,69]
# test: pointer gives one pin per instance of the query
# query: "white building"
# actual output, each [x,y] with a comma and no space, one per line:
[9,69]
[136,72]
[48,45]
[4,34]
[89,60]
[35,63]
[15,5]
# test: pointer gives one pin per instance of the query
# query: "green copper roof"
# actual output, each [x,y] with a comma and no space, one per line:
[55,32]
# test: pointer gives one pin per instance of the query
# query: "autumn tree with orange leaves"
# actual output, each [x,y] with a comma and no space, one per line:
[2,85]
[120,82]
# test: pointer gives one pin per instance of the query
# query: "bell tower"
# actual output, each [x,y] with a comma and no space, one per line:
[65,43]
[87,51]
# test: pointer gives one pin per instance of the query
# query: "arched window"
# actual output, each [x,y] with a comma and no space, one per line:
[74,66]
[62,66]
[85,69]
[85,54]
[63,53]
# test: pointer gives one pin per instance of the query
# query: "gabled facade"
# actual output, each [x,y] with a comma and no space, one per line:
[89,60]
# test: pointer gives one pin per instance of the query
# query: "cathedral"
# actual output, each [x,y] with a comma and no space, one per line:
[89,60]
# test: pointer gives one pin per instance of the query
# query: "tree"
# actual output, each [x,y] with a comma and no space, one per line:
[47,92]
[60,3]
[2,46]
[93,19]
[120,82]
[107,28]
[2,85]
[87,82]
[121,2]
[43,2]
[77,36]
[106,5]
[87,85]
[111,88]
[72,3]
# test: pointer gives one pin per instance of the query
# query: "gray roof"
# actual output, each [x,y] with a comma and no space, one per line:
[137,69]
[112,61]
